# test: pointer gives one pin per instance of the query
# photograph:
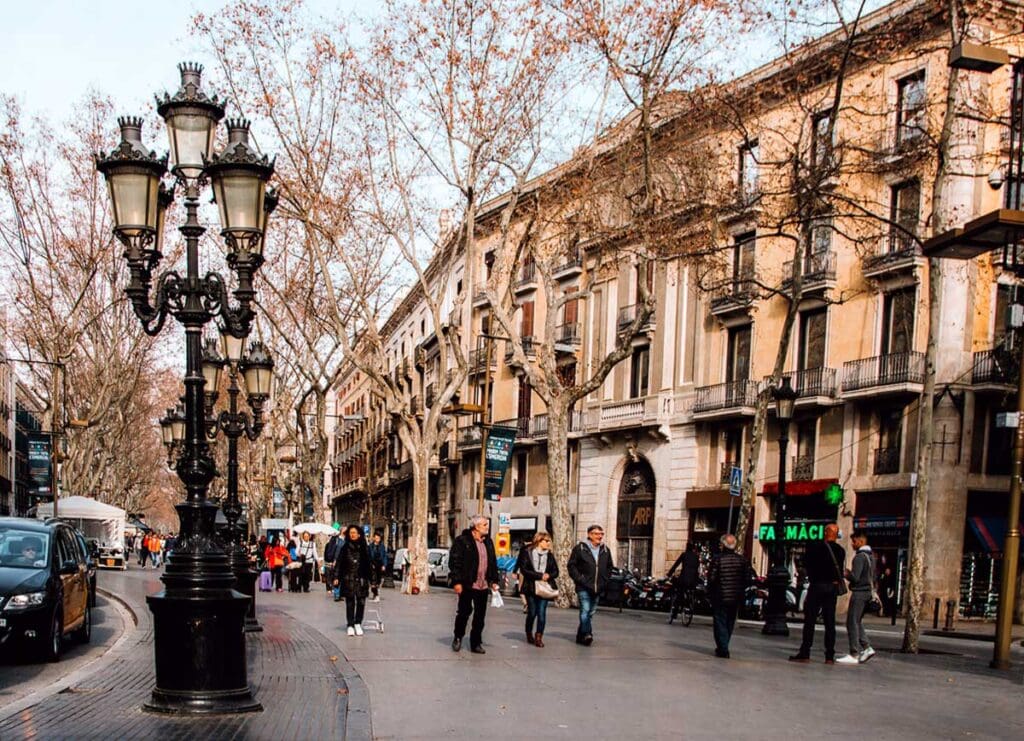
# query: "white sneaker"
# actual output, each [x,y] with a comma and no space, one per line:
[848,659]
[866,654]
[351,631]
[359,629]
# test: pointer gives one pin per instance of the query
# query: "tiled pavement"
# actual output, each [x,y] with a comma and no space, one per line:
[307,689]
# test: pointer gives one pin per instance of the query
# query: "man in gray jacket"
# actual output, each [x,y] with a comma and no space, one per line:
[861,576]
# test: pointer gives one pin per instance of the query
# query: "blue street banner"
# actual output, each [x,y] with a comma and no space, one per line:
[39,470]
[499,451]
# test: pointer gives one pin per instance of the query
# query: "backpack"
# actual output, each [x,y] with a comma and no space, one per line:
[331,550]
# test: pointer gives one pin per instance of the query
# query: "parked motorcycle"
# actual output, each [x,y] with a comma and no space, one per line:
[754,600]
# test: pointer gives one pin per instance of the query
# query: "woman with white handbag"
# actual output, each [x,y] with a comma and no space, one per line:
[538,569]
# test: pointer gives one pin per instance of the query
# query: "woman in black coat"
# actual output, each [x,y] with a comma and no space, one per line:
[352,576]
[536,563]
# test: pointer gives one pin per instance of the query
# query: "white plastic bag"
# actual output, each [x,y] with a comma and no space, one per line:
[496,600]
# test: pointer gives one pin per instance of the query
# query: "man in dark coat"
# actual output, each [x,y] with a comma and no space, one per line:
[824,563]
[727,582]
[590,565]
[473,572]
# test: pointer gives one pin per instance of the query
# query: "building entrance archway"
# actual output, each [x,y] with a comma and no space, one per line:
[635,522]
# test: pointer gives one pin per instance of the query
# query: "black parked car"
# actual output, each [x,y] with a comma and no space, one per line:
[44,585]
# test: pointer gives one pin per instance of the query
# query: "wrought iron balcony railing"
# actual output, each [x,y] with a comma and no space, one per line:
[887,460]
[725,396]
[883,370]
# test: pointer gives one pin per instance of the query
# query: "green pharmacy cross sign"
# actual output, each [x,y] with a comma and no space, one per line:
[834,494]
[796,532]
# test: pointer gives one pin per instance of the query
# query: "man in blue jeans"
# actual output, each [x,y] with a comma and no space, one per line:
[590,565]
[727,582]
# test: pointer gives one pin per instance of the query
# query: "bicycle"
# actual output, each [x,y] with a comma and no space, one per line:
[682,605]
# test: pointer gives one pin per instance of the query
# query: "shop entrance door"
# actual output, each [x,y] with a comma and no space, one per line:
[635,524]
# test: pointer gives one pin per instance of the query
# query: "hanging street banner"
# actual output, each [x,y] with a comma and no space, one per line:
[39,472]
[499,451]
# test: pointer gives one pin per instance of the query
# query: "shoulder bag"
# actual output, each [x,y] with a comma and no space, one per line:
[840,582]
[544,590]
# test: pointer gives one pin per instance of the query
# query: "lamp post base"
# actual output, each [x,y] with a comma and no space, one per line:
[200,654]
[245,582]
[775,611]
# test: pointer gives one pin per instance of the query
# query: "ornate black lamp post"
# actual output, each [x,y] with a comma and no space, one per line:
[198,617]
[256,368]
[778,576]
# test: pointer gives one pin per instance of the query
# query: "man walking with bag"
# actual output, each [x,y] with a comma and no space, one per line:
[474,575]
[590,565]
[823,562]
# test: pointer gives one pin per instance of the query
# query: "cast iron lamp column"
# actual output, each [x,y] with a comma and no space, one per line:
[256,368]
[778,576]
[198,618]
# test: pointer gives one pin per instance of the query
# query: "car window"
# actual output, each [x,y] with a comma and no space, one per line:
[434,558]
[22,548]
[66,547]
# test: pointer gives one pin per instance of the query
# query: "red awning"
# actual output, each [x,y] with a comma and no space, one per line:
[798,488]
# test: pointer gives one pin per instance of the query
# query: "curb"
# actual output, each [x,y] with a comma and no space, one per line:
[86,670]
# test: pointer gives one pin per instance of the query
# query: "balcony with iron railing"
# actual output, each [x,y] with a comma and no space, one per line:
[736,297]
[993,369]
[733,398]
[568,334]
[570,268]
[528,350]
[817,272]
[468,437]
[628,314]
[887,461]
[812,385]
[527,278]
[803,468]
[901,372]
[894,254]
[478,360]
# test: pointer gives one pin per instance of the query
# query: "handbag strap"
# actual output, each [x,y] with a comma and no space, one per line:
[835,563]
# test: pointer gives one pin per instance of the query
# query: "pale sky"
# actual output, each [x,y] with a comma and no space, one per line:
[53,51]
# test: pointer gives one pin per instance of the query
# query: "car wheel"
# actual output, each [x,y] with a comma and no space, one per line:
[84,633]
[52,647]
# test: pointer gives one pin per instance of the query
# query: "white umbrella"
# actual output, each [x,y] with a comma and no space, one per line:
[314,528]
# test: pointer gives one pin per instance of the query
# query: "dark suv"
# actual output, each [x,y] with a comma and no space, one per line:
[44,585]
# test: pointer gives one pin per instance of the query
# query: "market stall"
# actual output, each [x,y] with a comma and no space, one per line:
[100,523]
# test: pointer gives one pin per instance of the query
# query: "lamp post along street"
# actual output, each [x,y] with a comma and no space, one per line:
[256,368]
[778,576]
[198,617]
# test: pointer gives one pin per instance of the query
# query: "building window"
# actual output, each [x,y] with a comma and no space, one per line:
[737,359]
[521,467]
[821,237]
[524,400]
[821,143]
[813,326]
[898,321]
[526,324]
[743,259]
[890,435]
[806,439]
[904,213]
[639,372]
[1003,301]
[910,108]
[732,442]
[748,171]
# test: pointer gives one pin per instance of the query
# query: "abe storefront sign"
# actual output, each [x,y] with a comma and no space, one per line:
[795,532]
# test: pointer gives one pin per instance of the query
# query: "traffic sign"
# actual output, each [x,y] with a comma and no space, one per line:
[735,481]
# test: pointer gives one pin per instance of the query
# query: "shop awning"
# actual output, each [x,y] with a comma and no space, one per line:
[990,531]
[798,488]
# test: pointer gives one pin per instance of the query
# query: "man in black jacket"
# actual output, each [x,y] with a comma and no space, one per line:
[473,571]
[824,563]
[727,582]
[590,565]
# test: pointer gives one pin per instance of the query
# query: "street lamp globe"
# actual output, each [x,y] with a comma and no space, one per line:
[213,364]
[133,176]
[239,178]
[258,371]
[231,345]
[178,425]
[785,400]
[166,425]
[191,116]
